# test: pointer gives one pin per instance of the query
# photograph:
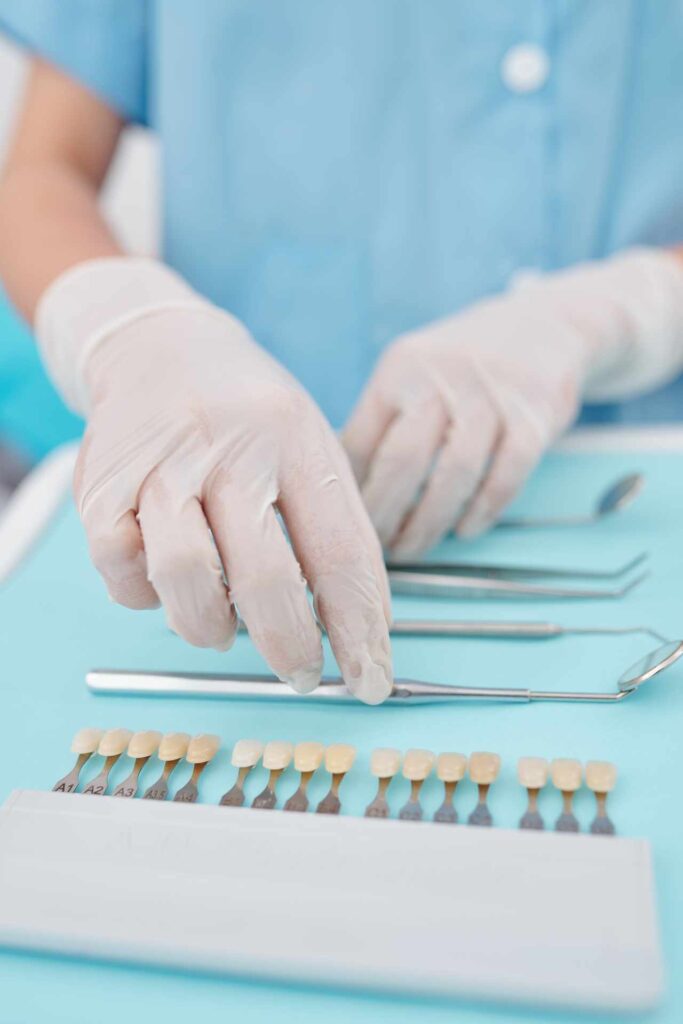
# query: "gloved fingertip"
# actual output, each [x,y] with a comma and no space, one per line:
[468,529]
[303,680]
[371,681]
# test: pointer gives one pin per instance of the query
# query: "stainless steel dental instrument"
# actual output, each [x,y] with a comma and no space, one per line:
[510,630]
[516,572]
[406,692]
[620,494]
[427,584]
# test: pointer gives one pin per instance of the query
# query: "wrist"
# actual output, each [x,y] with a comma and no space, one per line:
[92,302]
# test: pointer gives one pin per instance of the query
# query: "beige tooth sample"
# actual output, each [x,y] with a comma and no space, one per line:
[112,744]
[450,769]
[385,763]
[417,764]
[200,751]
[246,754]
[308,757]
[566,774]
[601,778]
[339,758]
[84,745]
[141,747]
[277,756]
[172,749]
[532,773]
[483,771]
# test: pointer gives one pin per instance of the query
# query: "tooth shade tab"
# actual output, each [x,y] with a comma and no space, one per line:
[385,762]
[601,776]
[339,758]
[246,753]
[532,772]
[417,764]
[451,767]
[566,774]
[173,746]
[114,742]
[308,756]
[202,748]
[143,744]
[277,755]
[86,741]
[484,767]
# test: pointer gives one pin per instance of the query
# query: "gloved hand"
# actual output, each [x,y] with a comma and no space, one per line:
[456,415]
[191,426]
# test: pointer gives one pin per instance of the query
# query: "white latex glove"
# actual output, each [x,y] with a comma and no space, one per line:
[457,415]
[191,427]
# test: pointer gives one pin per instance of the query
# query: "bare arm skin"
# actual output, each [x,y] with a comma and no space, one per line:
[49,219]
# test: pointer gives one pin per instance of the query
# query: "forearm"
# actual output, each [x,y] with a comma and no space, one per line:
[49,221]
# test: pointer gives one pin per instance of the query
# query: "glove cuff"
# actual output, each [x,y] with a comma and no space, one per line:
[89,303]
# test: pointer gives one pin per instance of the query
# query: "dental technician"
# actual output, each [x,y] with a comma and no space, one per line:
[442,225]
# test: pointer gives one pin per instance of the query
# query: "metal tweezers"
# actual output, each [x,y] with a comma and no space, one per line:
[428,584]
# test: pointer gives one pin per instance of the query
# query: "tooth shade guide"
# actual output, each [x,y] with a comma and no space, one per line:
[566,774]
[385,762]
[339,758]
[601,776]
[84,744]
[246,753]
[484,767]
[451,767]
[202,748]
[173,746]
[114,742]
[532,772]
[277,755]
[308,756]
[143,744]
[417,764]
[86,741]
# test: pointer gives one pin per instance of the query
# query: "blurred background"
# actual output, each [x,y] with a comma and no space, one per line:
[32,417]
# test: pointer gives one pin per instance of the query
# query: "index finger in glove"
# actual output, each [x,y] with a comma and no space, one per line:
[326,528]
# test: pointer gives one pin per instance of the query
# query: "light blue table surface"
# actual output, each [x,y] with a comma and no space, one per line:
[56,622]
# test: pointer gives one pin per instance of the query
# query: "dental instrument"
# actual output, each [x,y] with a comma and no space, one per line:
[618,496]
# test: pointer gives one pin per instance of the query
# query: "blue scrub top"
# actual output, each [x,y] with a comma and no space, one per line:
[336,173]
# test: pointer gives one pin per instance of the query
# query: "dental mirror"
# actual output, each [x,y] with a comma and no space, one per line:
[651,665]
[617,496]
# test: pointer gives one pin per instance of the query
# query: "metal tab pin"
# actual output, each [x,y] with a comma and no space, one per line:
[308,757]
[385,763]
[339,760]
[141,747]
[450,769]
[566,776]
[172,749]
[483,770]
[532,773]
[84,745]
[276,757]
[112,745]
[601,778]
[246,754]
[201,749]
[417,764]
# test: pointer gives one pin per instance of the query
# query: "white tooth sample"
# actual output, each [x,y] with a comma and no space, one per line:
[246,753]
[86,741]
[484,768]
[532,772]
[277,755]
[601,776]
[173,746]
[114,742]
[385,762]
[417,764]
[143,744]
[308,756]
[451,767]
[339,758]
[566,774]
[202,748]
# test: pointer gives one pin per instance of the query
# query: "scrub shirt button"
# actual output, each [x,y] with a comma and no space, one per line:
[525,68]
